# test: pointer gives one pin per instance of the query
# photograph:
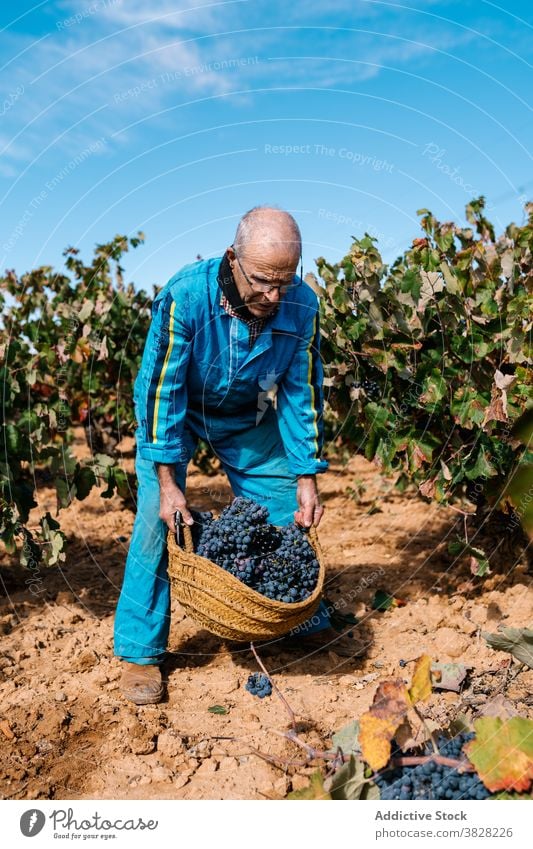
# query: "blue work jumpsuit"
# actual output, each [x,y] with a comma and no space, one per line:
[200,379]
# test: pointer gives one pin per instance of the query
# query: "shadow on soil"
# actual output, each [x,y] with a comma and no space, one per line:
[91,577]
[278,655]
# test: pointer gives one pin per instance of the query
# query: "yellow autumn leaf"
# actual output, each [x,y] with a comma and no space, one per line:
[421,682]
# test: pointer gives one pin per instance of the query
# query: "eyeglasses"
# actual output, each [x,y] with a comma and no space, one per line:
[266,288]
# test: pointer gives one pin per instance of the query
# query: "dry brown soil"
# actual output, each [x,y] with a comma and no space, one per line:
[67,733]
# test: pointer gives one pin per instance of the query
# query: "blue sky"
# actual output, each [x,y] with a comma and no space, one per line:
[176,117]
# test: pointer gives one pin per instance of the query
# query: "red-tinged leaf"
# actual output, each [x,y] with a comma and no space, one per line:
[502,753]
[427,488]
[384,601]
[83,412]
[43,389]
[497,409]
[479,568]
[417,456]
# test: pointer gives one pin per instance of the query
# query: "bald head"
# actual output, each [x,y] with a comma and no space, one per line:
[269,230]
[265,253]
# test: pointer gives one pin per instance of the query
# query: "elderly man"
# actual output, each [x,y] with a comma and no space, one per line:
[227,335]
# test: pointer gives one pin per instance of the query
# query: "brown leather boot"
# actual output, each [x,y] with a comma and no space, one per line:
[142,685]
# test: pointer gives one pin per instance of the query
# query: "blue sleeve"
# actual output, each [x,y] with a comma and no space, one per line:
[300,403]
[161,386]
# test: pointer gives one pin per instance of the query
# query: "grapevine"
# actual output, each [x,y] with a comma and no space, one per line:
[428,361]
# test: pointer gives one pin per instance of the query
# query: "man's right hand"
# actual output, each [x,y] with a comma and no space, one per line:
[171,498]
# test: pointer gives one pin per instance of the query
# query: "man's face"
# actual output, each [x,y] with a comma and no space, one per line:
[255,269]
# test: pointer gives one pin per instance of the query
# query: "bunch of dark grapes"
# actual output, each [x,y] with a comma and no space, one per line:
[227,540]
[201,519]
[258,685]
[431,780]
[289,573]
[371,388]
[279,563]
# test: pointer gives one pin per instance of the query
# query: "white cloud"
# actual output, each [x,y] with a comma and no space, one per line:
[193,14]
[333,67]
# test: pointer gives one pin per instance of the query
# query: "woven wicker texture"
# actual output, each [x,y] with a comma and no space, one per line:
[224,605]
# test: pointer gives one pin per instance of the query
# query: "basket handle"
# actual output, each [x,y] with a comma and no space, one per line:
[312,533]
[187,535]
[313,536]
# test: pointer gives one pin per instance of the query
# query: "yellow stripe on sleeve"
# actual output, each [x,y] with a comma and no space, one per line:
[163,371]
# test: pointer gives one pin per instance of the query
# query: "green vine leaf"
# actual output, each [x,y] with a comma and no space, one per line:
[315,791]
[516,641]
[349,784]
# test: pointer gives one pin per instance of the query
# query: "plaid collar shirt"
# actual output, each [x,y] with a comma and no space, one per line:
[255,325]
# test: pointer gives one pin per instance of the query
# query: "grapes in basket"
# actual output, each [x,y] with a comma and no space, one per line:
[280,563]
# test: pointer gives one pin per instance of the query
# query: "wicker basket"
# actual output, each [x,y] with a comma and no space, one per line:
[224,605]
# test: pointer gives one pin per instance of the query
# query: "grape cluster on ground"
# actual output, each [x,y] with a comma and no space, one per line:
[259,684]
[278,562]
[433,780]
[371,389]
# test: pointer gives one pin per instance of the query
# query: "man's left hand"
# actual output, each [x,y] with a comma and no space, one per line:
[310,510]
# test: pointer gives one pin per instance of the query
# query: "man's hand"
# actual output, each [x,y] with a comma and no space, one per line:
[171,498]
[311,511]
